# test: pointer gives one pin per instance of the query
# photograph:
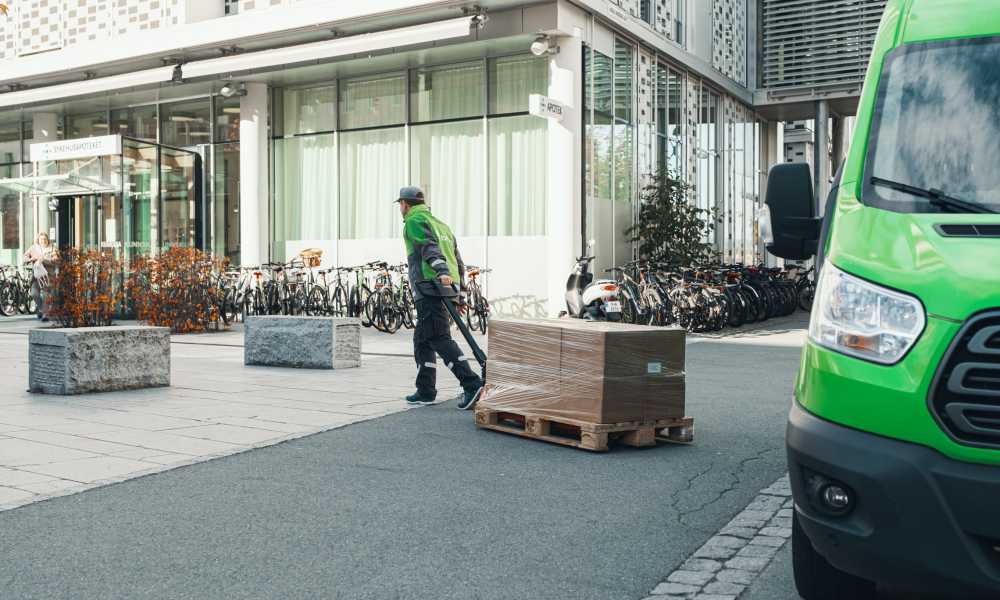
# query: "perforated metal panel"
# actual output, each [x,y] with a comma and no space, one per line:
[729,38]
[86,20]
[139,15]
[39,26]
[817,43]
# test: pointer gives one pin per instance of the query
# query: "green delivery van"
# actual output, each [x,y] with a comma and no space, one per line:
[894,434]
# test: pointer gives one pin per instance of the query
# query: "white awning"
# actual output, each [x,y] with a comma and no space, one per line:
[90,86]
[320,51]
[57,185]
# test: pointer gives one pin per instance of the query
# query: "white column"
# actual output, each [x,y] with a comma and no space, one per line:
[821,153]
[254,204]
[565,169]
[44,128]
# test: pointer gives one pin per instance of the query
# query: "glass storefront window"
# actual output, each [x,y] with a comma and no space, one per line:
[676,124]
[225,226]
[305,192]
[137,122]
[227,119]
[89,125]
[308,110]
[602,97]
[708,152]
[373,102]
[372,169]
[446,161]
[513,79]
[186,123]
[10,214]
[452,92]
[518,176]
[10,142]
[623,73]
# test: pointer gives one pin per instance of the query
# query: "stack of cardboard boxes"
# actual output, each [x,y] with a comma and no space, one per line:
[586,371]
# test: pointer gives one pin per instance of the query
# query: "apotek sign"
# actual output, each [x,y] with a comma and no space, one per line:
[542,106]
[82,148]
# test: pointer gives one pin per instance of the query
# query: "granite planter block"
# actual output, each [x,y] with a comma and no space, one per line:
[98,359]
[302,342]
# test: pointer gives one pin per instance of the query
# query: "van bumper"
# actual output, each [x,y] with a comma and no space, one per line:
[920,522]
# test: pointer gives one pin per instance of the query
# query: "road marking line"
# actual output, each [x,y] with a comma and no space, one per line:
[731,560]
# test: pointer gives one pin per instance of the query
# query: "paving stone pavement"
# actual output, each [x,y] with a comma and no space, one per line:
[729,562]
[58,445]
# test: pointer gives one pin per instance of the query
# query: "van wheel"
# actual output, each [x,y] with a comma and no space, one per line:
[817,579]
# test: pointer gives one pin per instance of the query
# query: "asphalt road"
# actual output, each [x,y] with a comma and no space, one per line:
[422,505]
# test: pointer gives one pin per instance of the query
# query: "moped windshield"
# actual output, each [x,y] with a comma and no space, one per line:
[937,127]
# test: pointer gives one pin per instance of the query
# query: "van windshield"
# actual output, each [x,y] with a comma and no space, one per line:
[937,128]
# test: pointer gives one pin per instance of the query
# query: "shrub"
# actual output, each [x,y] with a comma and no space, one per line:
[177,289]
[670,229]
[84,289]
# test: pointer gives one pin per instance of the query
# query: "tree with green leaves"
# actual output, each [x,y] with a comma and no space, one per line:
[670,229]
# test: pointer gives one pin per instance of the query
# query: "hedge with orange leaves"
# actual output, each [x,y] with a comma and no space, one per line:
[84,289]
[177,289]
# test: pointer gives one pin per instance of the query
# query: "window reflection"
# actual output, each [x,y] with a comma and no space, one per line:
[937,123]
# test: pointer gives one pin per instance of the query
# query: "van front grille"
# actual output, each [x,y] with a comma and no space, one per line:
[965,394]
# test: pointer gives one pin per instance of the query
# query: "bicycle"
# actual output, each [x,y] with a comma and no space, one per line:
[477,314]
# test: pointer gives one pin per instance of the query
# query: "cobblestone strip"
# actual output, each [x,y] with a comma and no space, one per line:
[729,561]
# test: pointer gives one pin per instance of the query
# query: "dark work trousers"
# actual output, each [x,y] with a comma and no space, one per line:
[432,338]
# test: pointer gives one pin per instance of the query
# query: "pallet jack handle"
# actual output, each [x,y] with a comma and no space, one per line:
[452,304]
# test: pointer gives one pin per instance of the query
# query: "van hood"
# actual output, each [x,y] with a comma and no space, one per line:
[954,277]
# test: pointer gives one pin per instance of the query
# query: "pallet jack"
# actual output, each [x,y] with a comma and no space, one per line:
[451,302]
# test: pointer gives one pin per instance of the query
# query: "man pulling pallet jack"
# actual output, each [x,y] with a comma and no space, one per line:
[436,273]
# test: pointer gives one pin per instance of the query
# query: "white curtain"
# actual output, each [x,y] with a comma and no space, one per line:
[513,79]
[518,176]
[373,102]
[372,169]
[309,110]
[447,93]
[447,163]
[305,190]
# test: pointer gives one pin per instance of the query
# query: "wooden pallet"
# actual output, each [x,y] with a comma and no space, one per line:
[589,436]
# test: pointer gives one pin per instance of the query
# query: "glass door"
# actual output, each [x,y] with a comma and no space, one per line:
[180,195]
[140,213]
[79,222]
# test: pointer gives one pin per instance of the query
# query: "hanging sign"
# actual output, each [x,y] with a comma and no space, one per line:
[81,148]
[542,106]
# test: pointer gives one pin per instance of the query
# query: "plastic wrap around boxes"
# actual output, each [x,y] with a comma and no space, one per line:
[585,371]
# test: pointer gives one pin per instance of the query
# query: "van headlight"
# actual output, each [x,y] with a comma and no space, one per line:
[861,319]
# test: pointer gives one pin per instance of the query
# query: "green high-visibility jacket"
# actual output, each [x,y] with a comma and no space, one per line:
[431,251]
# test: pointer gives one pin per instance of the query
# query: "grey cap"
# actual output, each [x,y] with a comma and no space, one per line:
[411,194]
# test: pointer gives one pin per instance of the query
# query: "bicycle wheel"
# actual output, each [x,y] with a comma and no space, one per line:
[315,303]
[408,310]
[27,305]
[365,298]
[338,303]
[483,314]
[389,312]
[296,301]
[805,297]
[8,303]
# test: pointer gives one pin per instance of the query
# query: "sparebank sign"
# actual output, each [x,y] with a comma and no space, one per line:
[82,148]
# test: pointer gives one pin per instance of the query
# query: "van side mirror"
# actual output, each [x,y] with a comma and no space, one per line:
[795,225]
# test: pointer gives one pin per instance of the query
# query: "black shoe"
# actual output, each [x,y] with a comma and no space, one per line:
[419,399]
[469,398]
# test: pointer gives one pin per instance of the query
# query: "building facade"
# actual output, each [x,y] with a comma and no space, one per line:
[259,128]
